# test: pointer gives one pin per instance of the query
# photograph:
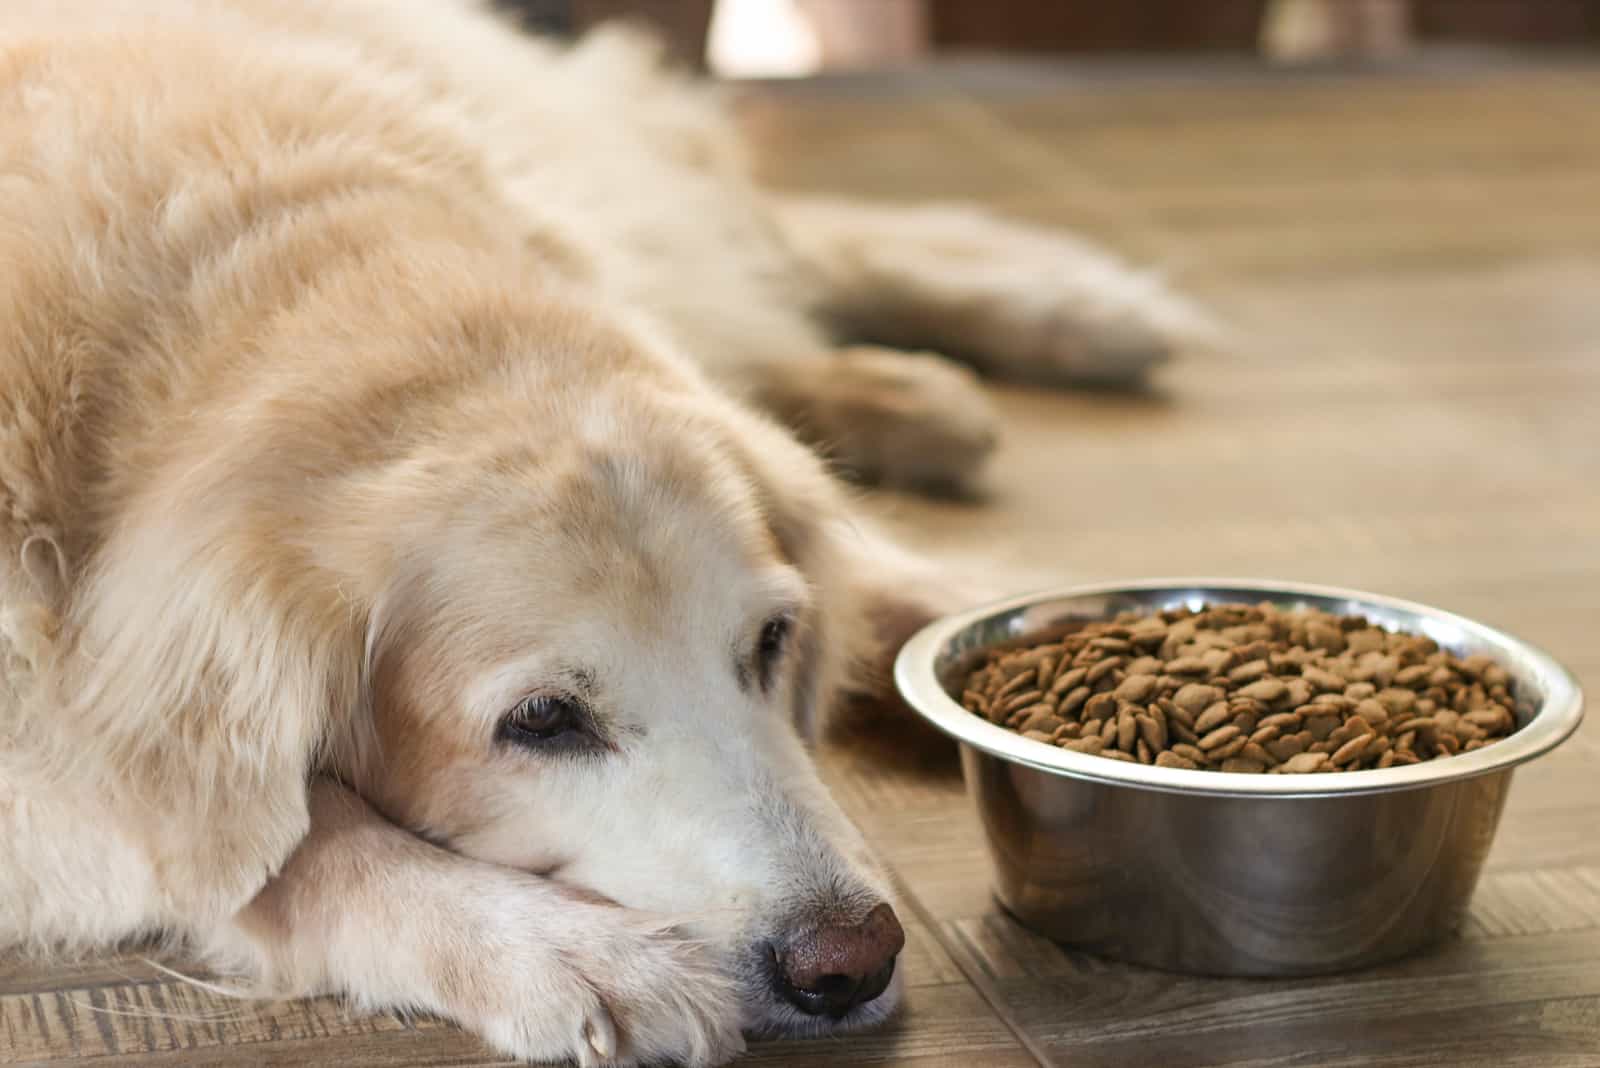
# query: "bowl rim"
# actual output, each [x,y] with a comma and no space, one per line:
[1555,721]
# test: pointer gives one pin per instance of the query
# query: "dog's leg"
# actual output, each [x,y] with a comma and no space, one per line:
[540,971]
[911,419]
[1016,302]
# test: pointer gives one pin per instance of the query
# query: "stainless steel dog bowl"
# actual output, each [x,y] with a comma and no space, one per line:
[1229,874]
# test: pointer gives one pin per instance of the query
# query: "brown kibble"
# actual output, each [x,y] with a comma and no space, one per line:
[1249,672]
[1364,641]
[1212,689]
[1322,726]
[1147,633]
[1284,748]
[1153,731]
[1372,710]
[1396,701]
[1069,680]
[1328,638]
[1352,749]
[1305,762]
[1020,681]
[1042,719]
[1137,688]
[1020,700]
[1245,705]
[1413,676]
[1233,748]
[1325,681]
[1073,701]
[1196,696]
[1491,719]
[1299,692]
[1265,734]
[1252,751]
[1264,690]
[1127,731]
[1173,712]
[1100,706]
[1323,703]
[1219,737]
[1102,669]
[1212,718]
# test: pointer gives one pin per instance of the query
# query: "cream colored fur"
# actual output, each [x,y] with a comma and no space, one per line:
[365,368]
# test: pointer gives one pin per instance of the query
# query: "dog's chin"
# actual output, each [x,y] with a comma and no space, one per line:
[770,1017]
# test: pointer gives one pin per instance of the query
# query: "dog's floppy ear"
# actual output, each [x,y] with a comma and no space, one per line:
[871,594]
[198,688]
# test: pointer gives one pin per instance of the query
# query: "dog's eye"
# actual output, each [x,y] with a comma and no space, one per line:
[540,719]
[769,646]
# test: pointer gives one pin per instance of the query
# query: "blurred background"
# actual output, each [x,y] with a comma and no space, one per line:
[791,38]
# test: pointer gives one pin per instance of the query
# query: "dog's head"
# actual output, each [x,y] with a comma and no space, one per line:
[608,622]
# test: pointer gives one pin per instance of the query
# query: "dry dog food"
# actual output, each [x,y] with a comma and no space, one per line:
[1246,688]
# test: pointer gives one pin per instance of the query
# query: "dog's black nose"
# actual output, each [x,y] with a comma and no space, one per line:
[830,970]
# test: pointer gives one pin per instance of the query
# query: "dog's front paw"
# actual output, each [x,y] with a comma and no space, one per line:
[616,988]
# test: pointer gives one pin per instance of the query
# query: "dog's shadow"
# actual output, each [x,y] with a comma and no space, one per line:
[891,739]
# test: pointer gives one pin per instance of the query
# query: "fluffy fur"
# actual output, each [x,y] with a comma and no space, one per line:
[366,369]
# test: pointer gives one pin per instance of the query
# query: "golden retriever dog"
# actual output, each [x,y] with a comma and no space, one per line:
[412,584]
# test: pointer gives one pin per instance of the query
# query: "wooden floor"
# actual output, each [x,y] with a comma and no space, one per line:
[1410,263]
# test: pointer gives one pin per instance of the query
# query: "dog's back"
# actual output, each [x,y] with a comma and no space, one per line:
[169,204]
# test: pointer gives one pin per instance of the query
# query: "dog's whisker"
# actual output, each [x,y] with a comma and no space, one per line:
[200,984]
